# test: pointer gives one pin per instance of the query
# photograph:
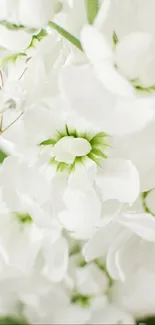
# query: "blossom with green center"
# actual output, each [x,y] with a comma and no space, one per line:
[83,301]
[23,218]
[71,147]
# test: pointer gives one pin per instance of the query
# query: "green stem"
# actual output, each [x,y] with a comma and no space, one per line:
[72,39]
[92,7]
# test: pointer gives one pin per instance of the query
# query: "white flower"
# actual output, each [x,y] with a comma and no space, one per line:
[22,13]
[126,243]
[20,240]
[22,185]
[106,85]
[83,212]
[86,95]
[15,41]
[55,307]
[56,258]
[90,280]
[134,58]
[131,295]
[113,114]
[128,47]
[70,145]
[111,314]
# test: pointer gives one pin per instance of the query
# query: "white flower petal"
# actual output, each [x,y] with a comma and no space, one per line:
[90,280]
[43,10]
[141,224]
[94,44]
[99,244]
[84,211]
[15,41]
[112,114]
[113,262]
[56,259]
[119,180]
[40,123]
[79,147]
[62,150]
[83,176]
[112,80]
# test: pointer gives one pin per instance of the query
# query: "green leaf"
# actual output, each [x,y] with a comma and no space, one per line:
[3,155]
[146,321]
[71,38]
[48,142]
[92,7]
[115,38]
[8,320]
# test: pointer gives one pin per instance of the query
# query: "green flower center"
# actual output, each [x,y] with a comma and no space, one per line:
[98,144]
[23,218]
[83,301]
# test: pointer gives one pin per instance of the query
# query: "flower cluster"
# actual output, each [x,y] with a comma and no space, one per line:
[77,161]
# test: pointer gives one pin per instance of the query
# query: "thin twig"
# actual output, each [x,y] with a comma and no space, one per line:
[12,123]
[22,74]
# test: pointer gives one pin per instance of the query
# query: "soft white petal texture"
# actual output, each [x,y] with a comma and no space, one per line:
[21,245]
[133,255]
[136,301]
[41,123]
[141,224]
[148,179]
[43,10]
[112,315]
[56,258]
[94,44]
[110,113]
[83,176]
[100,54]
[21,12]
[119,180]
[67,148]
[84,211]
[138,147]
[113,261]
[62,152]
[120,14]
[99,244]
[134,57]
[16,41]
[91,280]
[112,80]
[80,147]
